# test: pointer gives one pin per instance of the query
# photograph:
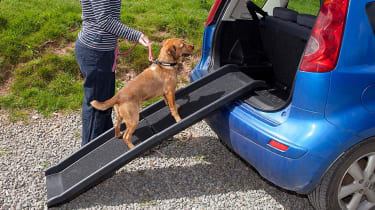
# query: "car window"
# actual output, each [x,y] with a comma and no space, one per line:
[370,10]
[260,3]
[305,6]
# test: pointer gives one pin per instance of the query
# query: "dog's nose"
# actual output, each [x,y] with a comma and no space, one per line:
[192,47]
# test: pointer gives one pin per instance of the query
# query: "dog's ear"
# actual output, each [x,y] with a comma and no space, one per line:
[164,42]
[172,51]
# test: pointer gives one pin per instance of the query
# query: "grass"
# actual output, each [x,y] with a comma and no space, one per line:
[163,19]
[182,18]
[26,24]
[305,6]
[46,164]
[5,151]
[149,102]
[47,82]
[301,6]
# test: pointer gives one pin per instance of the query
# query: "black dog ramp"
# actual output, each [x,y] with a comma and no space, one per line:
[104,155]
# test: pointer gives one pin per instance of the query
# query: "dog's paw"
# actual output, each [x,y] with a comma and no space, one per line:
[131,146]
[119,135]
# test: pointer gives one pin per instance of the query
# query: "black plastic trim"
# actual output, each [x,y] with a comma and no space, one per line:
[370,10]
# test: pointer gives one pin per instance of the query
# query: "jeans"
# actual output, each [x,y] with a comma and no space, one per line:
[96,67]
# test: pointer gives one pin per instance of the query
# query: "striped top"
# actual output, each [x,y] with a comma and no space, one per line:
[102,25]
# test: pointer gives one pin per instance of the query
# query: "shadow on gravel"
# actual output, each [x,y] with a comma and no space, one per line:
[219,172]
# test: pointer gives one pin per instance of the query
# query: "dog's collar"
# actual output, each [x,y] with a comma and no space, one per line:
[162,63]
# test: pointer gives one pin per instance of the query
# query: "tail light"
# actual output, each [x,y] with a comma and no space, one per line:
[213,11]
[323,48]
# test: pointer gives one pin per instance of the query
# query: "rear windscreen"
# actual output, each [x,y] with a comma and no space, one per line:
[370,9]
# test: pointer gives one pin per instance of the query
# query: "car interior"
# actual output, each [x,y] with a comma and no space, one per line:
[267,48]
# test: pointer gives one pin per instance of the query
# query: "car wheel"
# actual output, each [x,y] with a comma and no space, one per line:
[350,182]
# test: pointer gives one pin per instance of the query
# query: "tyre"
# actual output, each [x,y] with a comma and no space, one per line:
[349,183]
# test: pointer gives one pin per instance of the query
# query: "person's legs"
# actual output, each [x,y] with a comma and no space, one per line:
[96,67]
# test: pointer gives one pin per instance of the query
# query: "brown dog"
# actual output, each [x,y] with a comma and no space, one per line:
[157,80]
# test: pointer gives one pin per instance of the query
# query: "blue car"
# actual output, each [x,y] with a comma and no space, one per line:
[312,128]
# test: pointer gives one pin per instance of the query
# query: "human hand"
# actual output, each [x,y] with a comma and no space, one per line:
[143,40]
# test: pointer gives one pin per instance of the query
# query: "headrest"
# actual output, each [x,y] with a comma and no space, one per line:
[306,20]
[285,14]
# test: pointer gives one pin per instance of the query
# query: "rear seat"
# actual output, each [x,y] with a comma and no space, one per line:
[289,21]
[284,37]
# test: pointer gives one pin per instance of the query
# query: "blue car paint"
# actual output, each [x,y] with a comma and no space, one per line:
[354,77]
[201,68]
[294,169]
[311,87]
[368,98]
[329,113]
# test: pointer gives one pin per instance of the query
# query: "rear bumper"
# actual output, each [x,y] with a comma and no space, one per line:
[313,144]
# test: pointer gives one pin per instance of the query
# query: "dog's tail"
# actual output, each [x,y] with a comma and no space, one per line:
[104,105]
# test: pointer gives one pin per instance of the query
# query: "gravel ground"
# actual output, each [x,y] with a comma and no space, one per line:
[197,174]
